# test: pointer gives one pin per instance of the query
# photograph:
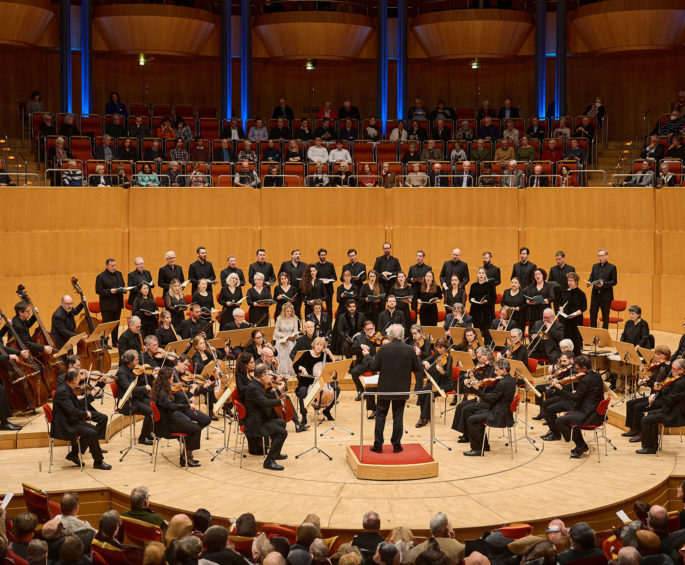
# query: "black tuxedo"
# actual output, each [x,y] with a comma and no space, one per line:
[198,270]
[449,268]
[262,419]
[588,393]
[602,296]
[135,278]
[167,274]
[111,305]
[499,415]
[69,421]
[64,325]
[140,398]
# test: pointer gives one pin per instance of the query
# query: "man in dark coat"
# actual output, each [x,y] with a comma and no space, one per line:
[498,415]
[69,421]
[387,268]
[140,399]
[395,362]
[201,269]
[138,276]
[63,321]
[546,347]
[603,279]
[262,420]
[169,272]
[109,286]
[588,393]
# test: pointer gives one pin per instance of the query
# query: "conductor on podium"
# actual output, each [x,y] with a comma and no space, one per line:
[395,363]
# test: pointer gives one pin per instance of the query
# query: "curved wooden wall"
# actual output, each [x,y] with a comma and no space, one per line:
[315,35]
[461,34]
[71,234]
[631,25]
[23,23]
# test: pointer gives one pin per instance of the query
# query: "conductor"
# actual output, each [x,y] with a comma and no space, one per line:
[395,362]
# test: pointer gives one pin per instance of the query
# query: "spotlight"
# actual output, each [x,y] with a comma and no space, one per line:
[475,64]
[310,65]
[141,60]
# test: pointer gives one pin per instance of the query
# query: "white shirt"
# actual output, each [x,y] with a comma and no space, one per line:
[339,155]
[317,154]
[395,135]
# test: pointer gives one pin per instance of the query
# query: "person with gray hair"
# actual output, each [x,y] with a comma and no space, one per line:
[442,532]
[261,547]
[628,556]
[140,507]
[368,540]
[37,552]
[132,338]
[395,363]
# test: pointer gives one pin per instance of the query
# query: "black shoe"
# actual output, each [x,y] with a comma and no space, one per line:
[462,439]
[629,433]
[104,450]
[9,426]
[376,448]
[188,463]
[454,402]
[214,418]
[102,466]
[358,397]
[421,423]
[329,416]
[646,451]
[635,439]
[271,465]
[578,451]
[280,457]
[538,417]
[299,428]
[73,457]
[473,453]
[549,436]
[397,448]
[145,441]
[372,416]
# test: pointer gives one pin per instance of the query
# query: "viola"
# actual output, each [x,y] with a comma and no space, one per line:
[667,382]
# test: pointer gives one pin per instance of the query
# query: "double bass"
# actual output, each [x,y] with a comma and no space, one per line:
[92,354]
[52,366]
[32,383]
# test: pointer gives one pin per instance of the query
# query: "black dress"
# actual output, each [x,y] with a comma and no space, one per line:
[404,307]
[229,300]
[317,291]
[575,300]
[141,308]
[177,307]
[259,315]
[428,313]
[482,314]
[308,361]
[282,297]
[207,305]
[637,334]
[372,309]
[165,336]
[452,299]
[517,301]
[342,295]
[535,310]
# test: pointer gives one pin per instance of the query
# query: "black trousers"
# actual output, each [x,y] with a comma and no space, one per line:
[650,429]
[143,408]
[552,408]
[89,440]
[5,408]
[476,427]
[181,423]
[467,413]
[277,434]
[110,316]
[564,425]
[635,410]
[603,304]
[100,421]
[200,418]
[356,372]
[459,423]
[382,408]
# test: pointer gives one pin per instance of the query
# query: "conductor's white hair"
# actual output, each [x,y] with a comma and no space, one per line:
[396,332]
[237,312]
[133,320]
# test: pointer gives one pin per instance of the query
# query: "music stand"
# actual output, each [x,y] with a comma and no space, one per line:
[131,422]
[457,334]
[177,347]
[521,368]
[647,354]
[70,346]
[436,332]
[101,333]
[218,405]
[329,374]
[464,361]
[628,354]
[298,354]
[238,337]
[313,391]
[441,393]
[595,337]
[500,337]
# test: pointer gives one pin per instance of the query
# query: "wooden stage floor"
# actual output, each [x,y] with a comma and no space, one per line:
[475,492]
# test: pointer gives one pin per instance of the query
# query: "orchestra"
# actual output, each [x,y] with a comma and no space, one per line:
[368,304]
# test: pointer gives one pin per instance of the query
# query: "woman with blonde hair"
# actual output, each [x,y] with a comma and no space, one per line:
[285,333]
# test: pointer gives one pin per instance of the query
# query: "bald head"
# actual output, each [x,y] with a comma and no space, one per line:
[476,558]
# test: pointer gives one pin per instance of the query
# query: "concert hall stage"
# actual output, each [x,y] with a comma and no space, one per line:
[477,493]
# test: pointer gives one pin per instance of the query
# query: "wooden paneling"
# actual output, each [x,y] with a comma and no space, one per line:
[28,21]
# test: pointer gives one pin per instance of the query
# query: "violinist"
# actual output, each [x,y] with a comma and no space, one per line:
[554,403]
[70,420]
[203,298]
[545,336]
[132,337]
[144,306]
[348,326]
[286,331]
[497,413]
[470,342]
[404,293]
[680,351]
[517,350]
[423,349]
[672,411]
[87,393]
[588,393]
[429,294]
[22,322]
[572,315]
[194,325]
[281,384]
[166,333]
[547,391]
[139,402]
[457,318]
[202,357]
[468,407]
[322,322]
[244,374]
[175,302]
[636,330]
[153,355]
[262,420]
[8,354]
[256,344]
[391,315]
[187,388]
[173,416]
[307,368]
[364,347]
[63,326]
[229,299]
[439,367]
[658,370]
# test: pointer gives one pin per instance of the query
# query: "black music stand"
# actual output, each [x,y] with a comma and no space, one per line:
[441,393]
[595,338]
[518,367]
[329,374]
[314,390]
[131,423]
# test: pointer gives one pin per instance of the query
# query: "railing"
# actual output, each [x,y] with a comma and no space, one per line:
[29,179]
[284,177]
[617,179]
[379,179]
[204,179]
[420,7]
[160,178]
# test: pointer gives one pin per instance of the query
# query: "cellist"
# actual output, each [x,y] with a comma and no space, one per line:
[63,321]
[22,322]
[8,354]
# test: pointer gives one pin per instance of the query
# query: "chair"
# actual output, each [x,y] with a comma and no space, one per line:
[115,395]
[47,412]
[156,417]
[112,555]
[273,530]
[242,545]
[516,531]
[602,411]
[512,444]
[140,532]
[38,503]
[617,306]
[240,432]
[448,393]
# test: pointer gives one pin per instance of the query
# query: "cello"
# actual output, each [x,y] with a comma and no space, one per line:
[29,374]
[52,366]
[92,354]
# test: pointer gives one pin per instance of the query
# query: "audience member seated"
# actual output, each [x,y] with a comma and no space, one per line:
[582,548]
[247,153]
[536,130]
[224,153]
[106,151]
[508,111]
[139,129]
[179,153]
[304,132]
[216,541]
[488,130]
[196,177]
[349,111]
[326,111]
[389,178]
[23,529]
[73,176]
[418,111]
[319,176]
[676,149]
[513,176]
[325,131]
[175,175]
[467,177]
[182,130]
[644,177]
[116,128]
[72,552]
[47,127]
[411,154]
[442,112]
[505,152]
[486,111]
[552,151]
[120,177]
[99,178]
[283,111]
[596,110]
[672,126]
[245,177]
[441,531]
[58,154]
[147,177]
[575,152]
[127,151]
[317,153]
[399,133]
[180,526]
[563,130]
[367,541]
[437,177]
[416,132]
[154,152]
[431,152]
[281,130]
[200,153]
[464,132]
[115,106]
[339,154]
[417,177]
[293,153]
[165,131]
[458,154]
[479,152]
[566,178]
[349,132]
[233,130]
[440,131]
[525,151]
[69,128]
[271,152]
[538,178]
[69,507]
[510,132]
[258,131]
[272,177]
[653,149]
[666,177]
[585,129]
[372,131]
[35,104]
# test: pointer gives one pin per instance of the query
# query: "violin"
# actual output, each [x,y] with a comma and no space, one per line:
[377,339]
[667,382]
[175,387]
[560,372]
[471,374]
[572,378]
[513,348]
[489,381]
[143,370]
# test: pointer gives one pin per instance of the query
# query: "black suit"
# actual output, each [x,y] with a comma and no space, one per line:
[588,393]
[390,264]
[167,274]
[224,556]
[174,420]
[513,113]
[64,325]
[135,278]
[347,326]
[498,398]
[459,268]
[198,270]
[672,413]
[129,340]
[219,156]
[602,296]
[395,362]
[227,271]
[465,179]
[23,331]
[386,319]
[262,419]
[69,421]
[139,400]
[111,305]
[266,269]
[5,408]
[494,274]
[558,275]
[548,348]
[523,272]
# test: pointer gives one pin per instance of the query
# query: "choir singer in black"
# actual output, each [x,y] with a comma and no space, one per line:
[603,279]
